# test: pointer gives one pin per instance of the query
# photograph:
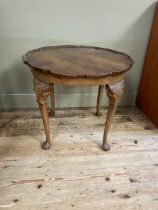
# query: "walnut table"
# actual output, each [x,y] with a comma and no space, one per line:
[77,65]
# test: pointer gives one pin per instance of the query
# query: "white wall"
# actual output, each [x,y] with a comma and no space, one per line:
[122,25]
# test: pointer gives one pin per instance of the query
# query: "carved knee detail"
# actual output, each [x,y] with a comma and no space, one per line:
[42,91]
[114,92]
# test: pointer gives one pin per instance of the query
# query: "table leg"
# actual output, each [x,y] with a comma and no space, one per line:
[52,101]
[42,92]
[114,93]
[100,93]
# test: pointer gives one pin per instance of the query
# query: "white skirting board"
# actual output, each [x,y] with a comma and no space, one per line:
[8,101]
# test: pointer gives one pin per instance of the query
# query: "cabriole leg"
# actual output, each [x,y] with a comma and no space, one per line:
[52,101]
[42,92]
[100,93]
[114,93]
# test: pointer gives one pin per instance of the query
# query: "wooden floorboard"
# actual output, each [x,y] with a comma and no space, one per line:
[76,173]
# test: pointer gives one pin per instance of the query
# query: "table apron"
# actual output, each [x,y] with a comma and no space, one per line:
[50,79]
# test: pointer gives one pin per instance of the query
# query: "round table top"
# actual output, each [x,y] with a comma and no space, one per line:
[78,61]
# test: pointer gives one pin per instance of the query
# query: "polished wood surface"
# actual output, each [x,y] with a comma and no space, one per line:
[147,99]
[78,61]
[77,65]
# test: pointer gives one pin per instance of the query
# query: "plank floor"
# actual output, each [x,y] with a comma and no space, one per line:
[76,174]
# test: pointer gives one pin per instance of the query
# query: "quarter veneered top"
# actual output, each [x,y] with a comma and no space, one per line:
[78,61]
